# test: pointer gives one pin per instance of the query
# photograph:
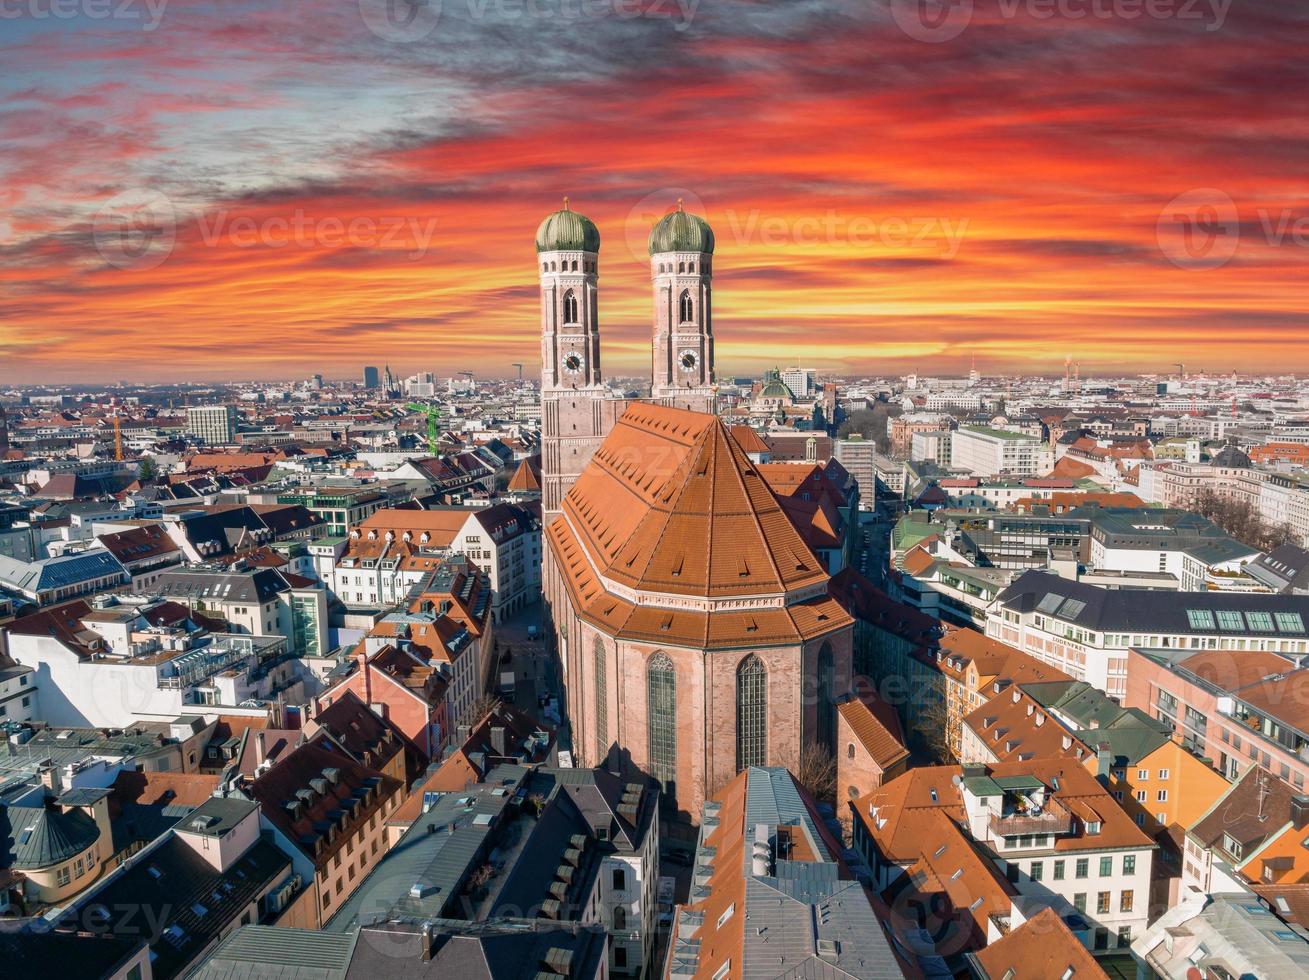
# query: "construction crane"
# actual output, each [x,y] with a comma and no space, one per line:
[433,413]
[520,370]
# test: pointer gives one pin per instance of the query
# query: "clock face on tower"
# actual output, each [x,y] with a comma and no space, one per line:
[573,363]
[688,360]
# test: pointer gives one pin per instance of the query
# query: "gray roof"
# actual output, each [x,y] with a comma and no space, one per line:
[253,586]
[183,896]
[436,854]
[39,837]
[217,815]
[1158,612]
[56,573]
[270,953]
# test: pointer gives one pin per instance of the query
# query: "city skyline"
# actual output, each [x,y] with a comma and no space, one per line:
[906,201]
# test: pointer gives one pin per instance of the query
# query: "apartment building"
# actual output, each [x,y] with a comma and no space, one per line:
[1087,631]
[1053,831]
[213,425]
[1238,712]
[331,813]
[989,452]
[764,861]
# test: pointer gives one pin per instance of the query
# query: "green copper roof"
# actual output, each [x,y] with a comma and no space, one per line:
[681,232]
[567,231]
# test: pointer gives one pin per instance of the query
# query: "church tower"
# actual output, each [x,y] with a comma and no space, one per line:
[681,266]
[577,409]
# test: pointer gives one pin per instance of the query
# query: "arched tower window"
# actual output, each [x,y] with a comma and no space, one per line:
[570,307]
[601,704]
[687,307]
[661,710]
[751,713]
[826,709]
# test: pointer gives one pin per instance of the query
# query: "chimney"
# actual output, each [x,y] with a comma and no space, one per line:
[498,739]
[1299,811]
[261,748]
[1103,761]
[367,672]
[50,777]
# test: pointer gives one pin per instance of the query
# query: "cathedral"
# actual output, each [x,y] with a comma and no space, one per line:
[694,625]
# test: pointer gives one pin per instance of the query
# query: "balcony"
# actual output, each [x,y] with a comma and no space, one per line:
[1052,818]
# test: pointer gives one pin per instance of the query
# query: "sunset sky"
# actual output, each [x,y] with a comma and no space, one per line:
[258,189]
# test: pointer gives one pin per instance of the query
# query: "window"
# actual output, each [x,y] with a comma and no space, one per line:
[1106,867]
[1102,903]
[1260,622]
[1229,620]
[727,914]
[1163,773]
[1161,796]
[661,708]
[1143,775]
[1125,900]
[620,879]
[1083,864]
[1038,870]
[570,307]
[62,876]
[1059,871]
[1011,871]
[826,709]
[601,704]
[620,918]
[723,971]
[686,308]
[751,713]
[1079,902]
[1129,864]
[1287,622]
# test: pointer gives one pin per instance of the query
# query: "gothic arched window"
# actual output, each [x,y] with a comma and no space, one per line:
[661,710]
[570,307]
[751,713]
[687,311]
[601,704]
[826,708]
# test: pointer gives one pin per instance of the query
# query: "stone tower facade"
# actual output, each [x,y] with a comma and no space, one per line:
[577,410]
[681,268]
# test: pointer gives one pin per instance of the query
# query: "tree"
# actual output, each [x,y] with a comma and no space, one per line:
[871,424]
[482,707]
[817,772]
[148,469]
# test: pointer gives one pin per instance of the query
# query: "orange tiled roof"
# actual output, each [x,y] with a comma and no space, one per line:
[877,730]
[1042,947]
[670,503]
[527,478]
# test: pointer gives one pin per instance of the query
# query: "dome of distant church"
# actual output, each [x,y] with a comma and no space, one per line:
[775,387]
[681,232]
[567,231]
[1232,458]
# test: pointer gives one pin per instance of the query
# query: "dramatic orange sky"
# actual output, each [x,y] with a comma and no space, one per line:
[266,189]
